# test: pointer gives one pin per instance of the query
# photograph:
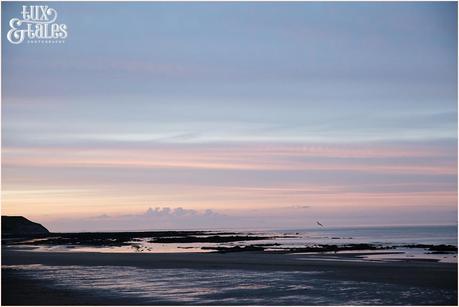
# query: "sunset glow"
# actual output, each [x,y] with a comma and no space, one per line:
[102,128]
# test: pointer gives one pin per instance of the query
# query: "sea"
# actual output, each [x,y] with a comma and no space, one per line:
[385,236]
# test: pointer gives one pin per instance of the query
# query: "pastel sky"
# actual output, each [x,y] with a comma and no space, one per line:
[192,115]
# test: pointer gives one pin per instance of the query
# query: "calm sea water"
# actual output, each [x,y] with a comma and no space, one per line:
[389,236]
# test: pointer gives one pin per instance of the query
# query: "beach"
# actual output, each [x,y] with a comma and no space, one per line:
[439,280]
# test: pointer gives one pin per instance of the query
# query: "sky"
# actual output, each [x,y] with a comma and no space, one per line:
[233,115]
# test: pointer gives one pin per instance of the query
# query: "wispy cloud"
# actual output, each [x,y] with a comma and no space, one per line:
[417,158]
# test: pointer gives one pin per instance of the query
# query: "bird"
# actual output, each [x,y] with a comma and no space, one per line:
[318,223]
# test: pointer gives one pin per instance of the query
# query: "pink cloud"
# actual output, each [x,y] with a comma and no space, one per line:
[352,158]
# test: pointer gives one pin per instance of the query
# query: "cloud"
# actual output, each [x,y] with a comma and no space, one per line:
[152,218]
[102,216]
[167,212]
[156,218]
[380,158]
[298,207]
[177,212]
[294,217]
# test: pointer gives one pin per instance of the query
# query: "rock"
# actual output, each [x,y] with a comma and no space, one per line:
[19,225]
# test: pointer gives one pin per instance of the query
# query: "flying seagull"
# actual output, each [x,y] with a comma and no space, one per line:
[318,223]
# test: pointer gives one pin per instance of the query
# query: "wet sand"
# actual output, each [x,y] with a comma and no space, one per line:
[20,291]
[430,275]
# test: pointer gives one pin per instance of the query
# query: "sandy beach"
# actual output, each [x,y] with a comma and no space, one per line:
[427,275]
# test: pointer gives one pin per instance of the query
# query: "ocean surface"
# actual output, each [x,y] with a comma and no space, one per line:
[227,287]
[435,234]
[394,236]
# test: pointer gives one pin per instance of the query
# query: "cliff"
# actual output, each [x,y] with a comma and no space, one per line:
[19,225]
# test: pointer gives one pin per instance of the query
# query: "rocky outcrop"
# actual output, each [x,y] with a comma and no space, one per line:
[19,225]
